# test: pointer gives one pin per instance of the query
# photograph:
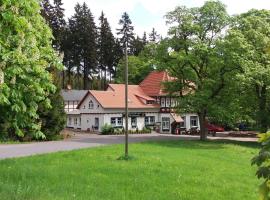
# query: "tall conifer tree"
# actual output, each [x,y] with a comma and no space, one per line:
[105,47]
[153,36]
[84,41]
[126,32]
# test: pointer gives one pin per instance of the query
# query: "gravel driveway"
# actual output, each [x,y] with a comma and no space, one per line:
[87,141]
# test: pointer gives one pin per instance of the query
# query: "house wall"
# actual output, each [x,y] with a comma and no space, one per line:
[187,123]
[73,121]
[84,107]
[87,119]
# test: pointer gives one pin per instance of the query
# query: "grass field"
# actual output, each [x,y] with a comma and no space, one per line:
[182,170]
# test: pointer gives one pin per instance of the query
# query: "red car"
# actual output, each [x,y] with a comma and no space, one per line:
[214,128]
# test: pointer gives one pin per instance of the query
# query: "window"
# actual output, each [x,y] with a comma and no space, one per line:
[133,122]
[91,104]
[193,121]
[168,102]
[113,121]
[165,123]
[96,127]
[149,120]
[69,121]
[80,121]
[75,121]
[162,102]
[117,121]
[84,107]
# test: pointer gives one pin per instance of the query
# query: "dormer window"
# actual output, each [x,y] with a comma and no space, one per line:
[91,104]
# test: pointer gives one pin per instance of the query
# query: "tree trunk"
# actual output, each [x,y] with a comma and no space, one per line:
[262,96]
[105,74]
[85,75]
[203,129]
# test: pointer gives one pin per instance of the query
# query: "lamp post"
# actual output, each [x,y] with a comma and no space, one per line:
[126,102]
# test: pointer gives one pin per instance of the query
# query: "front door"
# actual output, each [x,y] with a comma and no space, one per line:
[96,123]
[165,124]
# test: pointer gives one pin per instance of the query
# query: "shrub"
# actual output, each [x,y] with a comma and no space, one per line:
[107,129]
[262,161]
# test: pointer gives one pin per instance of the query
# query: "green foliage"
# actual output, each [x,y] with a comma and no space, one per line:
[194,55]
[106,45]
[81,43]
[249,41]
[25,55]
[126,33]
[138,70]
[53,119]
[107,129]
[262,160]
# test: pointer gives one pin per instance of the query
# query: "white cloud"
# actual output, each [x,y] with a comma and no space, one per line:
[113,9]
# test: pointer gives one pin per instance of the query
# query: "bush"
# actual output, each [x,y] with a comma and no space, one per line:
[107,129]
[263,164]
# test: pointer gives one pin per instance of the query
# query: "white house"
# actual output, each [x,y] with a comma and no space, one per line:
[148,106]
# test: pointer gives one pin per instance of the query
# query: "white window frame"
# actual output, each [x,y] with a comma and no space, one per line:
[91,104]
[118,121]
[166,123]
[75,121]
[133,122]
[192,120]
[69,121]
[149,120]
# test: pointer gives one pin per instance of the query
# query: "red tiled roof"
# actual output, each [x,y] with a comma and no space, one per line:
[152,84]
[115,97]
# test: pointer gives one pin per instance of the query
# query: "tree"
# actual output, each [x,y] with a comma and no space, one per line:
[249,38]
[84,41]
[54,16]
[105,47]
[137,46]
[126,33]
[138,69]
[117,54]
[144,38]
[262,162]
[153,36]
[196,57]
[26,54]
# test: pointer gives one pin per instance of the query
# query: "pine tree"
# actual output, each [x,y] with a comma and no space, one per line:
[105,47]
[126,32]
[117,54]
[144,39]
[54,16]
[137,46]
[84,40]
[153,36]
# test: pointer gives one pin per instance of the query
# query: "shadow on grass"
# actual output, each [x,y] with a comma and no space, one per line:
[209,144]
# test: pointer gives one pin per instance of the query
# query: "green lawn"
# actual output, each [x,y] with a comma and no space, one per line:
[182,170]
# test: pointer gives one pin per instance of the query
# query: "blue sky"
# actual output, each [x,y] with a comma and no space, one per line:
[146,14]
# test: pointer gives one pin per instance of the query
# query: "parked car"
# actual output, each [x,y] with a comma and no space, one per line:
[213,129]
